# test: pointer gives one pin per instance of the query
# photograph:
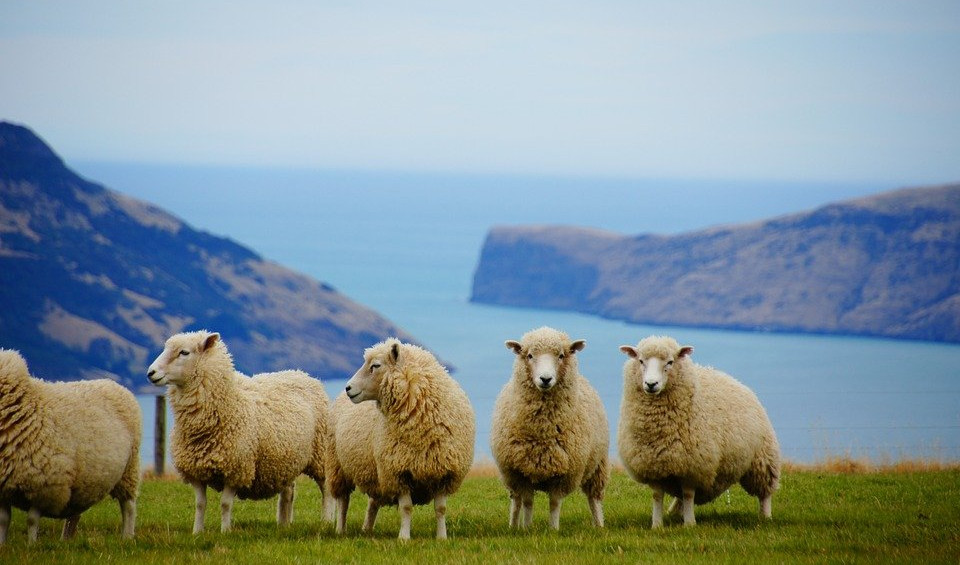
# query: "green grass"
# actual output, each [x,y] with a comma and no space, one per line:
[819,516]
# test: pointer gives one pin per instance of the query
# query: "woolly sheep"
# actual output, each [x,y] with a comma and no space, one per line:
[249,437]
[64,446]
[692,431]
[549,430]
[350,458]
[423,446]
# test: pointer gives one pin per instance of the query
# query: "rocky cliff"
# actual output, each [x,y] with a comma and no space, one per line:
[886,265]
[92,283]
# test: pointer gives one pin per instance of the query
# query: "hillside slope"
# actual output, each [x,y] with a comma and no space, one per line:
[92,283]
[885,265]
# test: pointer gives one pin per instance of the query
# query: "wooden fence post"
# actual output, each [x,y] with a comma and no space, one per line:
[160,436]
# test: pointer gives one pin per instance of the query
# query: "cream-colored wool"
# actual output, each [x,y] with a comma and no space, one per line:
[701,433]
[249,437]
[350,459]
[64,446]
[423,447]
[554,439]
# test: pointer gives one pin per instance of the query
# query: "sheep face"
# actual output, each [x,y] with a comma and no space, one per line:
[365,383]
[179,358]
[654,365]
[544,362]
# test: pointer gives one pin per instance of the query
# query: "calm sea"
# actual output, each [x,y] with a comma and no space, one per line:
[407,245]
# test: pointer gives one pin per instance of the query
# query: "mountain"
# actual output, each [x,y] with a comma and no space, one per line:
[886,265]
[92,283]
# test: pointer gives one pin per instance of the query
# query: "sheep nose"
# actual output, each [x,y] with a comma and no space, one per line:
[151,372]
[545,380]
[650,386]
[348,388]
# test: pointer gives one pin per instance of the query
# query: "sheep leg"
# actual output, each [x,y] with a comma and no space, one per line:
[343,504]
[70,527]
[440,507]
[285,505]
[515,505]
[406,514]
[226,507]
[329,505]
[373,507]
[4,522]
[128,512]
[688,519]
[657,508]
[33,524]
[556,499]
[766,507]
[596,510]
[200,495]
[527,501]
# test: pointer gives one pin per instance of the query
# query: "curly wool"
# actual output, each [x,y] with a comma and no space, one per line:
[65,445]
[350,456]
[425,445]
[705,429]
[553,441]
[256,434]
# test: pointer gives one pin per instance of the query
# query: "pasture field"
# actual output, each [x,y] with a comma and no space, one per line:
[820,515]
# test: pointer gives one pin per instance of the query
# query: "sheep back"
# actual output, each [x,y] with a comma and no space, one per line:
[67,444]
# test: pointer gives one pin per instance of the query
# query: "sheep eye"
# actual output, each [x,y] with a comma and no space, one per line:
[642,364]
[184,353]
[529,355]
[374,367]
[669,363]
[561,355]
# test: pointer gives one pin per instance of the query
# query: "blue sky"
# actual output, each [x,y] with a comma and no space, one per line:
[837,91]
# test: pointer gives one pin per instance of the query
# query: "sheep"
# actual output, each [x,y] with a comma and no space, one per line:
[692,431]
[549,431]
[423,444]
[64,446]
[350,458]
[248,437]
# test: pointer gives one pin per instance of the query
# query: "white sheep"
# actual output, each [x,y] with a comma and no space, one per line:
[249,437]
[692,431]
[423,447]
[350,458]
[64,446]
[549,430]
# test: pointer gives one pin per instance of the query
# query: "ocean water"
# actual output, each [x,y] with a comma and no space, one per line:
[407,245]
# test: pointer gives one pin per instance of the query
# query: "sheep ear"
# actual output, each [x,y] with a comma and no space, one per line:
[513,345]
[211,340]
[395,351]
[577,346]
[685,351]
[630,350]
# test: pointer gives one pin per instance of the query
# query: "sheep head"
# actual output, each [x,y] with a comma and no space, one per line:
[653,361]
[377,360]
[180,356]
[543,356]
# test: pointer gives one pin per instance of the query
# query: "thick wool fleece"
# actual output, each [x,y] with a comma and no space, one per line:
[350,455]
[555,440]
[705,429]
[256,434]
[65,446]
[425,446]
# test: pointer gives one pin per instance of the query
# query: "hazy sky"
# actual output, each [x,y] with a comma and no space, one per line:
[803,90]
